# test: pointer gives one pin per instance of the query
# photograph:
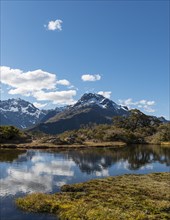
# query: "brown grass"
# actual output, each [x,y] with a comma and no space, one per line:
[127,197]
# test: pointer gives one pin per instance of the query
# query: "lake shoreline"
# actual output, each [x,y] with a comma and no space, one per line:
[26,171]
[36,145]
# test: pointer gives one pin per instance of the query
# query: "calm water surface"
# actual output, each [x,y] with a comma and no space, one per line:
[23,172]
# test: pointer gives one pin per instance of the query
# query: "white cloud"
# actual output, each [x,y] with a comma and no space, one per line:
[25,83]
[127,102]
[148,109]
[92,78]
[105,94]
[38,84]
[55,25]
[142,104]
[39,105]
[150,102]
[63,82]
[57,97]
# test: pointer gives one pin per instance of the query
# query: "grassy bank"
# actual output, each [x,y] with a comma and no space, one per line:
[38,145]
[166,143]
[123,197]
[88,144]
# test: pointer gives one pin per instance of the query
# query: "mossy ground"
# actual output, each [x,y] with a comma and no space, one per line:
[114,198]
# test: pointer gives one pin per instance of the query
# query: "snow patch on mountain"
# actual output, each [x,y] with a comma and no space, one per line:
[90,99]
[20,113]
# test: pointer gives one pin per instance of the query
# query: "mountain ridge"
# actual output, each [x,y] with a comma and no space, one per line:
[90,108]
[19,113]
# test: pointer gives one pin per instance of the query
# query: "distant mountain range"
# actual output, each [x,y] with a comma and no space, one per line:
[19,113]
[91,108]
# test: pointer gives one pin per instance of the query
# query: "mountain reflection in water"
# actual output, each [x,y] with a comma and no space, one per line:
[29,171]
[45,171]
[135,157]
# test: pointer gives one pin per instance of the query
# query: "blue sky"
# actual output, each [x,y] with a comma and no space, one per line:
[117,48]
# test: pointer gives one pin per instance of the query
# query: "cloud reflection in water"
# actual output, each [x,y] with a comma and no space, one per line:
[37,177]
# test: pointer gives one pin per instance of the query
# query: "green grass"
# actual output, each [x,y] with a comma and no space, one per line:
[127,197]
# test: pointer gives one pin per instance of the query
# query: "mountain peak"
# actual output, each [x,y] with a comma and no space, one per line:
[17,105]
[90,108]
[93,99]
[91,95]
[19,113]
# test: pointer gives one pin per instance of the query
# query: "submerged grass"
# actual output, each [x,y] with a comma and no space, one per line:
[130,197]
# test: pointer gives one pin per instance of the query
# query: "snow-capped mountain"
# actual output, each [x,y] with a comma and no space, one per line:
[91,100]
[19,113]
[91,108]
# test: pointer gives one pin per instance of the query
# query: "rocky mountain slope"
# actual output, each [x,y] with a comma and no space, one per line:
[91,108]
[52,112]
[19,113]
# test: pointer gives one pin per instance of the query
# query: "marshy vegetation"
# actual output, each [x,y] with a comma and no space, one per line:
[123,197]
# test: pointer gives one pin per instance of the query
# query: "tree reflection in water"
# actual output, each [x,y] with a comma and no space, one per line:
[90,160]
[9,155]
[95,160]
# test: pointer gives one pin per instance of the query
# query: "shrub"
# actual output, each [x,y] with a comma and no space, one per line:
[11,133]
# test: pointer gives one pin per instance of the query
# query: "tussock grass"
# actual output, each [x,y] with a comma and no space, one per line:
[127,197]
[166,143]
[38,145]
[105,144]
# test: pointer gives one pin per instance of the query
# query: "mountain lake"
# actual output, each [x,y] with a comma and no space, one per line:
[28,171]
